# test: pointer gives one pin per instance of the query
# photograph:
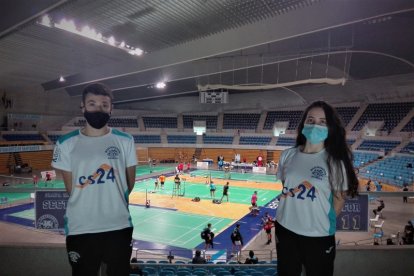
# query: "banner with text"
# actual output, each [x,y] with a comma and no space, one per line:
[354,215]
[50,208]
[202,165]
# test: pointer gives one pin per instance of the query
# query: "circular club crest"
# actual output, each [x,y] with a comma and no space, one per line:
[274,204]
[47,222]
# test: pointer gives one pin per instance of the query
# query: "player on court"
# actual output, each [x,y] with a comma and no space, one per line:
[162,181]
[225,192]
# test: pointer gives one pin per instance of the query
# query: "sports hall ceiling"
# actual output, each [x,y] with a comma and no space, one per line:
[224,44]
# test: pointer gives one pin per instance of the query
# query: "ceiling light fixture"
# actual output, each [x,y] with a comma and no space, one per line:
[160,85]
[62,79]
[88,32]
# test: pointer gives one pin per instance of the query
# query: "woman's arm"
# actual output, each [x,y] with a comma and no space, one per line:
[339,202]
[130,177]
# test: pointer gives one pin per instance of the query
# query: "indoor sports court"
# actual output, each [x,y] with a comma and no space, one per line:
[174,218]
[230,84]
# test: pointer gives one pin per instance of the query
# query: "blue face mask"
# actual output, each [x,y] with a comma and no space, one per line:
[315,134]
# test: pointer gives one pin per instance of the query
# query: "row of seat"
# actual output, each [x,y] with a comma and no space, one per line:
[182,139]
[409,127]
[397,170]
[408,148]
[378,145]
[226,140]
[390,113]
[160,122]
[241,120]
[249,140]
[293,117]
[23,137]
[364,158]
[241,270]
[211,120]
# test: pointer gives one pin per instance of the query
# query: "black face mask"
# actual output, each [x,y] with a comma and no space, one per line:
[96,119]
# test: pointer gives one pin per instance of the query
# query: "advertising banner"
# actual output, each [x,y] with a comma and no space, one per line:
[354,215]
[50,208]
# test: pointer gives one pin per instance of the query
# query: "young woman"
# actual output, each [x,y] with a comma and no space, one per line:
[212,190]
[317,174]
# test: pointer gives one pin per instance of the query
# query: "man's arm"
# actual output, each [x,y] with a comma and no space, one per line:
[130,177]
[67,179]
[339,202]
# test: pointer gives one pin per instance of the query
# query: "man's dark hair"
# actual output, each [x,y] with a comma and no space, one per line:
[97,89]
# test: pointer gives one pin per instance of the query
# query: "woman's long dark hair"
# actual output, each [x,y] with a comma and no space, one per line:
[336,147]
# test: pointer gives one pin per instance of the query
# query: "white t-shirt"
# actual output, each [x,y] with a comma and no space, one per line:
[306,204]
[99,198]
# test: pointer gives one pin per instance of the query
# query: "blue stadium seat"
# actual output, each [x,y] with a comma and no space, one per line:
[270,271]
[286,142]
[293,117]
[254,140]
[240,120]
[166,273]
[211,120]
[347,113]
[223,273]
[182,139]
[160,122]
[183,273]
[150,270]
[390,113]
[147,139]
[228,140]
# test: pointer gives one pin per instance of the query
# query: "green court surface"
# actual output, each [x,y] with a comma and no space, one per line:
[237,176]
[146,169]
[164,226]
[27,214]
[55,184]
[12,197]
[172,228]
[168,226]
[191,190]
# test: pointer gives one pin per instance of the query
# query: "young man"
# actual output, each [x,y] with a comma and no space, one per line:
[225,192]
[198,259]
[156,184]
[252,259]
[177,181]
[208,237]
[162,181]
[35,180]
[98,168]
[236,240]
